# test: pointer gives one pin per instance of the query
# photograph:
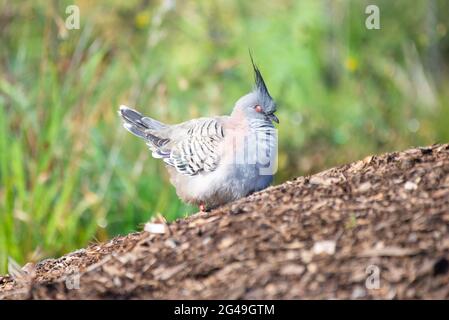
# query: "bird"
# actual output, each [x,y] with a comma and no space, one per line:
[215,160]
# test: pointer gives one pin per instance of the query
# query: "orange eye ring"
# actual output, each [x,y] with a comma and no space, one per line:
[258,108]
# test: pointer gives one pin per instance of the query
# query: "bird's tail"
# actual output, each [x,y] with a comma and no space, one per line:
[141,126]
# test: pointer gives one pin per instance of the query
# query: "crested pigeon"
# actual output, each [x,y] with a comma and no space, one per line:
[216,160]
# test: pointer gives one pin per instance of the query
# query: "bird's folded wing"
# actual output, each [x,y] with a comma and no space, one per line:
[194,146]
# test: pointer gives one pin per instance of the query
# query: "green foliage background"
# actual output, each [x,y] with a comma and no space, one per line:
[69,174]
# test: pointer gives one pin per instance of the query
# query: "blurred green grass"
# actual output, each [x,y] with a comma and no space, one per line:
[69,173]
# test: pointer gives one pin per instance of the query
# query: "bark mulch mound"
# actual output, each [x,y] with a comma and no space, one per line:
[330,235]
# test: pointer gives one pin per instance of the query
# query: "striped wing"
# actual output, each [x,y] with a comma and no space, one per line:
[197,151]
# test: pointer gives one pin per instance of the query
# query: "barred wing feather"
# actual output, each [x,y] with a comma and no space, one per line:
[197,151]
[190,147]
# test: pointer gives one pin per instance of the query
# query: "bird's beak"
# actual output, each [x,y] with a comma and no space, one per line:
[272,117]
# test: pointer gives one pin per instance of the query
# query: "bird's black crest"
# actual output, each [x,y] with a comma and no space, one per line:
[260,84]
[267,103]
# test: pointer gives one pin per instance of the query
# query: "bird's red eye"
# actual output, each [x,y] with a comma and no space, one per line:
[258,108]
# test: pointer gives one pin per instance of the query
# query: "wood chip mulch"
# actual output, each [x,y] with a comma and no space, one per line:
[331,235]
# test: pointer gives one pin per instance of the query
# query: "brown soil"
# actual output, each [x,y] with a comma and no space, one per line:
[314,237]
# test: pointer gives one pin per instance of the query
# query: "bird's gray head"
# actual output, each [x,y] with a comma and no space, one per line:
[257,104]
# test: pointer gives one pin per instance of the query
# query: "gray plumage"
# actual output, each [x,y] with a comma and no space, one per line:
[212,161]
